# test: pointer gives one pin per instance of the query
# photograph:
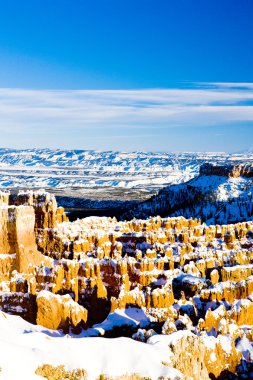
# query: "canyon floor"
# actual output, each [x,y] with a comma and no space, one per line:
[97,201]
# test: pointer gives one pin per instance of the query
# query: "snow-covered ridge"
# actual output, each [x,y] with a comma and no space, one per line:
[32,346]
[36,168]
[219,194]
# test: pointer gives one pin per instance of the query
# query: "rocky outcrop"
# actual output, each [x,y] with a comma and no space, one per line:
[17,240]
[242,312]
[4,198]
[59,312]
[23,219]
[44,204]
[47,214]
[50,372]
[220,354]
[188,355]
[229,170]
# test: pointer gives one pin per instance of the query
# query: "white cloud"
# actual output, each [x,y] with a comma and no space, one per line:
[203,105]
[243,85]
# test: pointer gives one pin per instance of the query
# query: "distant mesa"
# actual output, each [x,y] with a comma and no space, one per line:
[229,170]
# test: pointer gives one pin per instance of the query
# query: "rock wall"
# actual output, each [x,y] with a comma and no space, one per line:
[59,312]
[235,171]
[18,246]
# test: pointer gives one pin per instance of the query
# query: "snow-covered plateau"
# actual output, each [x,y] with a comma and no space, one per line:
[61,169]
[103,183]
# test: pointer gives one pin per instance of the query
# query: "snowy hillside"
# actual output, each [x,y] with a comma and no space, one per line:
[33,346]
[61,169]
[215,199]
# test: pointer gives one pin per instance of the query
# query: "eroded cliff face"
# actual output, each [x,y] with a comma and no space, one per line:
[235,171]
[18,245]
[175,275]
[59,312]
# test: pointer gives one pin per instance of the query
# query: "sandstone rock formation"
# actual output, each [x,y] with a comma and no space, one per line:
[188,355]
[59,312]
[245,170]
[182,276]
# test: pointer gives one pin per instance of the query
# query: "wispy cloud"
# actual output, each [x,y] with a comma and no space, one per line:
[204,104]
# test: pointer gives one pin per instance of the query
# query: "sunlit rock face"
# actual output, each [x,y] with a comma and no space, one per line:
[244,170]
[146,279]
[18,246]
[55,311]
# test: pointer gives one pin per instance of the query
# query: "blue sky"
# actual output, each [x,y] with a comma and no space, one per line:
[177,75]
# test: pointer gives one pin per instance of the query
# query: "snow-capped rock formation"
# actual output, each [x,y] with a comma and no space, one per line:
[177,293]
[56,312]
[17,237]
